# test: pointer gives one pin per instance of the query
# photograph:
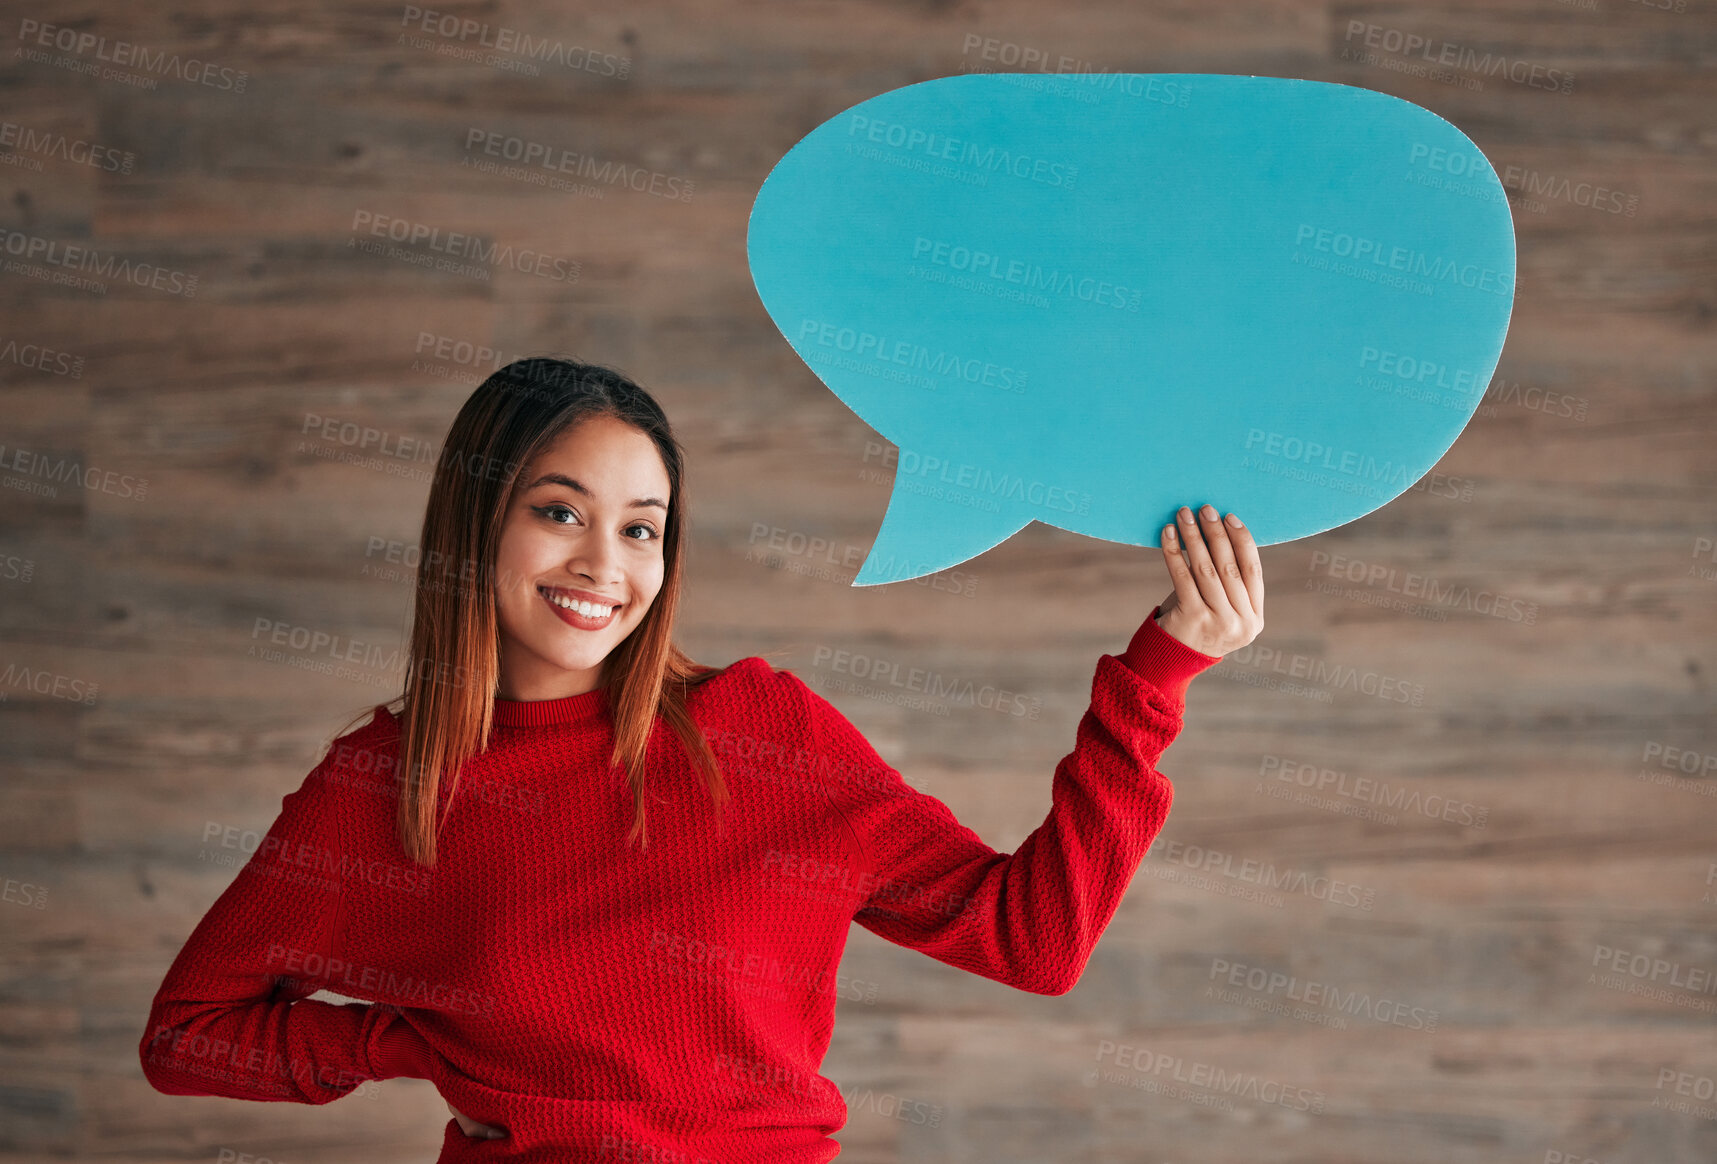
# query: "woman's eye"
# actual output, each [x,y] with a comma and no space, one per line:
[548,511]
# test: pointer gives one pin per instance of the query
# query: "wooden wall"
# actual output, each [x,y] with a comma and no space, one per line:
[1582,493]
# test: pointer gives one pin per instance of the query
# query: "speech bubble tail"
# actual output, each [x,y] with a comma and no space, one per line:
[921,535]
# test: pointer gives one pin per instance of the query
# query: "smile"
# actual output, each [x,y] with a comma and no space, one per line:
[583,615]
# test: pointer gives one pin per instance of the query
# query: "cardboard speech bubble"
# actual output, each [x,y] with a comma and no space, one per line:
[1087,300]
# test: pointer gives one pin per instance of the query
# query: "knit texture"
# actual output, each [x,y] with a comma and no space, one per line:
[600,1003]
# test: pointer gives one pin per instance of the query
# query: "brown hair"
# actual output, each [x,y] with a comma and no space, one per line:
[454,659]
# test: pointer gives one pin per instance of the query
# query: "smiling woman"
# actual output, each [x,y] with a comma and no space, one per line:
[595,560]
[573,990]
[577,498]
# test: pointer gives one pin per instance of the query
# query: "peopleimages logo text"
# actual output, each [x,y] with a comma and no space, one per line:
[1432,268]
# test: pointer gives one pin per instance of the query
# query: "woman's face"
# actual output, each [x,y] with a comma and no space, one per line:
[585,522]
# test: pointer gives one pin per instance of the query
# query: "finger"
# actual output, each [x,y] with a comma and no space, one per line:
[1185,588]
[1210,587]
[1251,565]
[1220,538]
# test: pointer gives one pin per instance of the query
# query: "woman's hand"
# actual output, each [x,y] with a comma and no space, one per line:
[474,1129]
[1218,600]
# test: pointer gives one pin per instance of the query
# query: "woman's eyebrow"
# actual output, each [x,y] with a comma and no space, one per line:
[563,479]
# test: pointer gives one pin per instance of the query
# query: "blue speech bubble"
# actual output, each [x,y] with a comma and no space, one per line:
[1087,300]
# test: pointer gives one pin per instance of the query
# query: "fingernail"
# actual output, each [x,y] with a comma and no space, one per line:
[1185,513]
[1234,521]
[1209,512]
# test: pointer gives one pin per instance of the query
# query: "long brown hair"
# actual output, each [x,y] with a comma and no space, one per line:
[454,661]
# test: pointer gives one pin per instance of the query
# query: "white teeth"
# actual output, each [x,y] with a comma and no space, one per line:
[588,610]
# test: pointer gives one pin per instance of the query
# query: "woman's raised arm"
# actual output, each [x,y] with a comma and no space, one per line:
[1031,919]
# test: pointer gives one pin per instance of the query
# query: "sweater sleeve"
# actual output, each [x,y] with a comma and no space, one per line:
[231,1017]
[1032,918]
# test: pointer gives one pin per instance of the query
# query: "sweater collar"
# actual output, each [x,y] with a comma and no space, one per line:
[569,709]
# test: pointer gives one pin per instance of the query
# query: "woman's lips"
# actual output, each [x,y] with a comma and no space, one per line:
[574,619]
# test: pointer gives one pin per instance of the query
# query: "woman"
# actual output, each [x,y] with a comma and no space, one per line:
[596,892]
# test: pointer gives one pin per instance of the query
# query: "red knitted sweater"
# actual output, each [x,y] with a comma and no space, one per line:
[675,1004]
